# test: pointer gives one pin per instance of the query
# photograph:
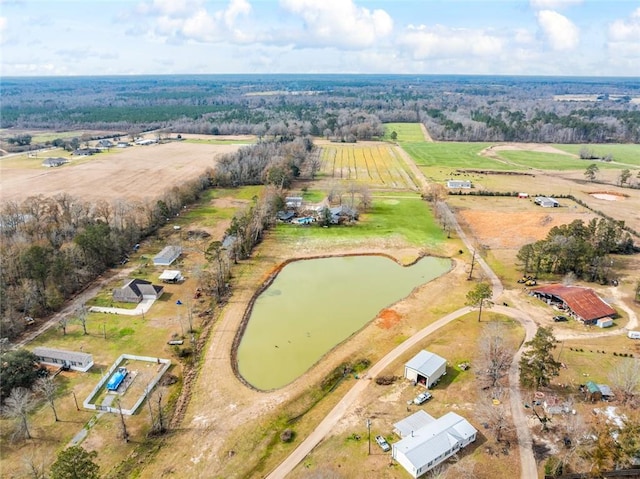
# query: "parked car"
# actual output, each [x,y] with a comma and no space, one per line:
[559,319]
[382,442]
[422,398]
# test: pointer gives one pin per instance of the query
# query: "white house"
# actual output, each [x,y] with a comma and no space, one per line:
[58,357]
[408,425]
[167,256]
[54,162]
[458,183]
[425,368]
[434,442]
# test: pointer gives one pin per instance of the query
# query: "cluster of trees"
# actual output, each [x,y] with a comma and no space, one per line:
[343,107]
[578,248]
[53,247]
[275,162]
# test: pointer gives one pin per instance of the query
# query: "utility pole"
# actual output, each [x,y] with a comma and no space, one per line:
[369,433]
[473,262]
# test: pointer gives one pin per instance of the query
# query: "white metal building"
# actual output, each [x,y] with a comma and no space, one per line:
[433,443]
[458,183]
[425,368]
[167,256]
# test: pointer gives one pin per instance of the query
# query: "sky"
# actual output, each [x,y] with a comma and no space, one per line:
[498,37]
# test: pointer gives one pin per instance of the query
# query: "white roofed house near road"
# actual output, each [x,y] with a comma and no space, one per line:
[78,361]
[436,441]
[425,368]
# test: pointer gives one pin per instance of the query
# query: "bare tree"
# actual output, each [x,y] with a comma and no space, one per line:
[625,378]
[82,314]
[63,323]
[493,412]
[18,405]
[47,387]
[123,425]
[35,465]
[495,355]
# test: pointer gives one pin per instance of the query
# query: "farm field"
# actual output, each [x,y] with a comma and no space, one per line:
[406,132]
[628,154]
[373,163]
[134,173]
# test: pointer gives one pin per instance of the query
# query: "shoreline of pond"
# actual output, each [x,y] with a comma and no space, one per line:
[272,275]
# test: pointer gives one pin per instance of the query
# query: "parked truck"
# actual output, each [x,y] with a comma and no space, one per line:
[633,334]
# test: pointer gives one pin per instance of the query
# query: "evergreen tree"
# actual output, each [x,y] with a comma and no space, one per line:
[537,365]
[75,463]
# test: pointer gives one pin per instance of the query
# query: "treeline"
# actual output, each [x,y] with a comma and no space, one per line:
[578,248]
[341,107]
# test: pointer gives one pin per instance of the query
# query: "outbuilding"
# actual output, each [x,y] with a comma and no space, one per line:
[167,256]
[171,276]
[54,162]
[425,368]
[58,357]
[583,303]
[546,202]
[459,184]
[433,443]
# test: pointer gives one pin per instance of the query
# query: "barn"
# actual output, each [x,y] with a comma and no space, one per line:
[582,303]
[546,202]
[167,256]
[58,357]
[425,368]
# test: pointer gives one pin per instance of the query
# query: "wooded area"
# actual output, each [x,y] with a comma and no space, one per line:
[345,108]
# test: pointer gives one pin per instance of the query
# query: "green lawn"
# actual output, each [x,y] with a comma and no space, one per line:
[406,131]
[409,218]
[629,154]
[453,155]
[550,161]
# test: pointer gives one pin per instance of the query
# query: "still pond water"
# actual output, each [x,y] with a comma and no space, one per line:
[313,305]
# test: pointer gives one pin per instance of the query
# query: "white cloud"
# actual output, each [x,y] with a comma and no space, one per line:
[439,42]
[553,4]
[626,30]
[339,23]
[190,20]
[560,32]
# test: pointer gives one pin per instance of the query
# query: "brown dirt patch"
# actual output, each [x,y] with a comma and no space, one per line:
[135,173]
[388,318]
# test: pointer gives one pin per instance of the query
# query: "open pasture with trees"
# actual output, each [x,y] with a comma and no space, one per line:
[375,164]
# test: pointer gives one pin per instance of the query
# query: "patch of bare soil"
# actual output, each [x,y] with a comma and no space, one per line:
[537,147]
[388,318]
[135,173]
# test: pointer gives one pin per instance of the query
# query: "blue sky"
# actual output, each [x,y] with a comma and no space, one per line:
[519,37]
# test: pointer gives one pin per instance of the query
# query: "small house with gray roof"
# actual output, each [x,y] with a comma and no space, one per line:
[135,290]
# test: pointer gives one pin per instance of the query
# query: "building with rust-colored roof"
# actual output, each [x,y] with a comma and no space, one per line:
[582,303]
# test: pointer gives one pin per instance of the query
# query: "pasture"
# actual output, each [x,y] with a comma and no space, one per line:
[627,154]
[407,132]
[550,161]
[372,163]
[454,155]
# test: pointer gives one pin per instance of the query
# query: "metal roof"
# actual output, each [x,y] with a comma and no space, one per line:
[426,363]
[43,352]
[412,423]
[584,302]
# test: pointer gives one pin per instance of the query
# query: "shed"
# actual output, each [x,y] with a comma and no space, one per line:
[58,357]
[606,391]
[604,323]
[171,276]
[425,368]
[458,183]
[523,195]
[592,391]
[433,443]
[293,201]
[408,425]
[167,256]
[285,216]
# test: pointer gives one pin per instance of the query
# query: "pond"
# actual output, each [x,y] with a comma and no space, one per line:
[313,305]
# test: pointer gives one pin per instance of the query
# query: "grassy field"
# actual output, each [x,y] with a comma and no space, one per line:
[367,163]
[453,155]
[214,141]
[405,217]
[407,132]
[550,161]
[629,154]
